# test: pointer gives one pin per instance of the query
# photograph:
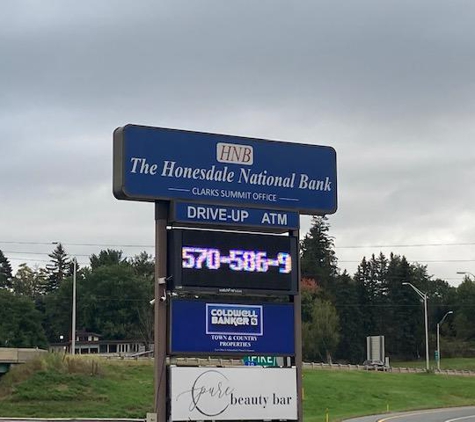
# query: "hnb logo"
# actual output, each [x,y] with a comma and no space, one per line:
[233,153]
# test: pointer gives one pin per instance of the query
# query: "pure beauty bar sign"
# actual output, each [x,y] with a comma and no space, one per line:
[247,393]
[153,164]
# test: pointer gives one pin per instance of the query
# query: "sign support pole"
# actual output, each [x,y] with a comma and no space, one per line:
[160,319]
[298,336]
[298,354]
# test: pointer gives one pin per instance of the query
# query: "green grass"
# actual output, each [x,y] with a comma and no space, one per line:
[64,387]
[449,363]
[353,393]
[88,389]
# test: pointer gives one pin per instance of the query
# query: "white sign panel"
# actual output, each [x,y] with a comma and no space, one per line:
[233,393]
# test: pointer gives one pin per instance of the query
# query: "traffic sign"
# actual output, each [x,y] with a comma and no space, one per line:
[268,361]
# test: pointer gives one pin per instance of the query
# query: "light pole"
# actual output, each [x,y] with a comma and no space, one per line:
[73,316]
[466,273]
[73,319]
[438,338]
[424,298]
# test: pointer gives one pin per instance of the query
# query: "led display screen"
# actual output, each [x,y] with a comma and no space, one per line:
[232,262]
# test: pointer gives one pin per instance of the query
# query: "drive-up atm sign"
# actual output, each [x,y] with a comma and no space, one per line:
[153,164]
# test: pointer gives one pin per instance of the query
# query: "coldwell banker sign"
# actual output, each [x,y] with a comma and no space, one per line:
[161,164]
[233,393]
[200,327]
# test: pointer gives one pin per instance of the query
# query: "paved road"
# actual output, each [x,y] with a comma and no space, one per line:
[70,420]
[456,414]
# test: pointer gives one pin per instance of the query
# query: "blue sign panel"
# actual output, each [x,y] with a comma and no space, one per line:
[164,164]
[217,328]
[235,216]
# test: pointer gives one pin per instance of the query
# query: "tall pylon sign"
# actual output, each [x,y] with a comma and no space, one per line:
[227,213]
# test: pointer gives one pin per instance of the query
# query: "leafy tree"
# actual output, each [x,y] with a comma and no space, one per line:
[58,269]
[58,307]
[5,272]
[20,322]
[143,265]
[106,257]
[321,334]
[29,282]
[112,301]
[308,292]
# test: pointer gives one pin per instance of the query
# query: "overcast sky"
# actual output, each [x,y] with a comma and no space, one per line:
[390,84]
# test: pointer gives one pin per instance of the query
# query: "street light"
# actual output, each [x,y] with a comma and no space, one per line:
[438,338]
[73,322]
[73,316]
[424,298]
[466,273]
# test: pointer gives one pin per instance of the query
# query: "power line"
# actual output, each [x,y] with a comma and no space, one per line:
[43,253]
[110,245]
[401,245]
[343,261]
[407,245]
[419,261]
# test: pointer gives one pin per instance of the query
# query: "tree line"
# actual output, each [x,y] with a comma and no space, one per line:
[113,299]
[339,310]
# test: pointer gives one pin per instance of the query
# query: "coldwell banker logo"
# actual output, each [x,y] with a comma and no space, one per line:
[234,319]
[235,154]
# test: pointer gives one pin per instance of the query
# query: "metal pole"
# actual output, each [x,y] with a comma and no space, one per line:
[424,298]
[427,332]
[160,319]
[438,346]
[298,339]
[438,337]
[73,322]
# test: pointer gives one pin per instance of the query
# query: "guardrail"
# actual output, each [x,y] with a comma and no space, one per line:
[18,355]
[223,362]
[399,370]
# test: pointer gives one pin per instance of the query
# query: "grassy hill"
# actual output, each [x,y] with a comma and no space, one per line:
[60,386]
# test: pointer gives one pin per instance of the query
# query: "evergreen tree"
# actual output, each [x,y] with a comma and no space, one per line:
[351,347]
[464,314]
[58,269]
[443,298]
[318,260]
[369,293]
[6,276]
[404,314]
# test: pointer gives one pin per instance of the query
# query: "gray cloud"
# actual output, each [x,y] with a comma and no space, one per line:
[388,84]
